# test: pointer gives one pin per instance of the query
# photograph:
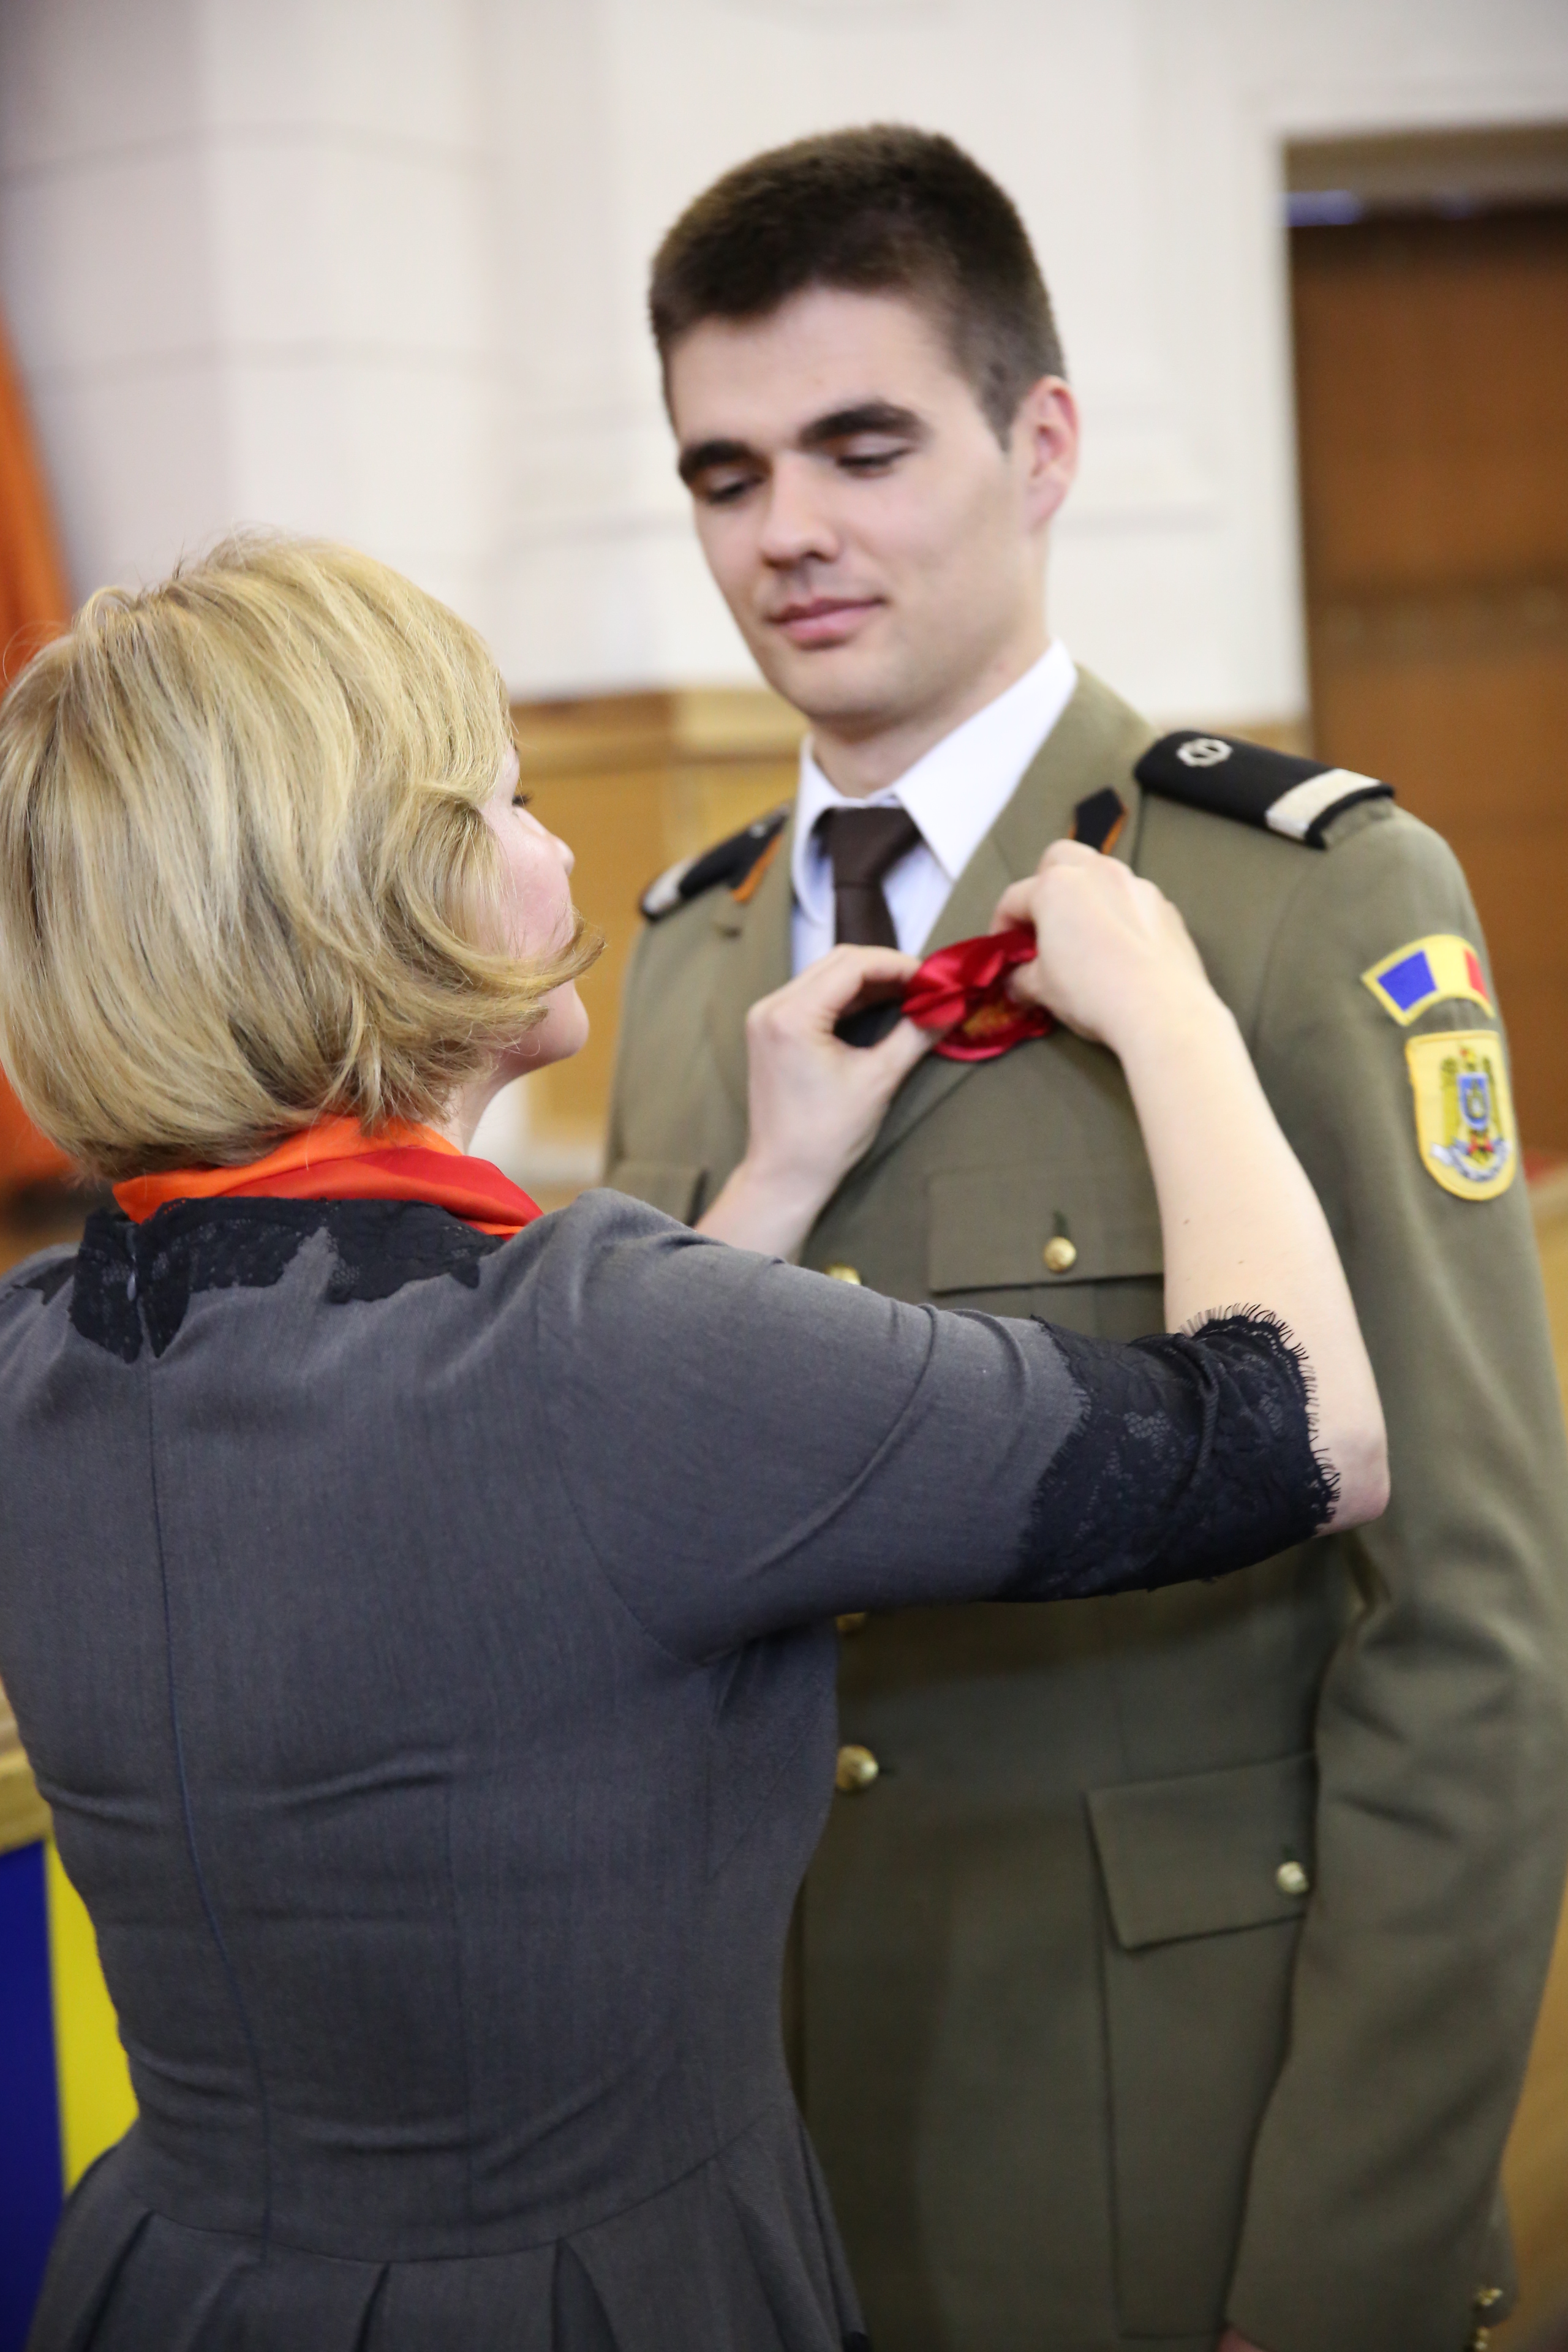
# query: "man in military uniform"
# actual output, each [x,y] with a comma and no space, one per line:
[1168,1970]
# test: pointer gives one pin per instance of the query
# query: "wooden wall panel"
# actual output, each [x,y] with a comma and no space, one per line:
[1469,723]
[1432,370]
[633,783]
[1432,389]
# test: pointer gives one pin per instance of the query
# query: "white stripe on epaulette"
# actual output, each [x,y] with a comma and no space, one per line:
[1295,813]
[663,895]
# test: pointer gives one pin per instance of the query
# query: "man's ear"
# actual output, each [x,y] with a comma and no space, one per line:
[1044,447]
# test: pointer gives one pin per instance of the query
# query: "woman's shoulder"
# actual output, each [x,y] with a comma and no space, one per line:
[602,1213]
[37,1280]
[604,1247]
[45,1270]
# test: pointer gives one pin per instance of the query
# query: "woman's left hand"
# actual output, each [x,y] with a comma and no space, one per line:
[814,1103]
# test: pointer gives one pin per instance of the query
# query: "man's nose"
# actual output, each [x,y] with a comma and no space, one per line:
[797,524]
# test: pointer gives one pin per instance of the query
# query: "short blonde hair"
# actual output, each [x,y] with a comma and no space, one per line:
[246,881]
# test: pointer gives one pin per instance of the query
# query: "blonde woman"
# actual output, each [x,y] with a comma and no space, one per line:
[419,1612]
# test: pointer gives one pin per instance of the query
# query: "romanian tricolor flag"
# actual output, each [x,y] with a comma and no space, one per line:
[65,2091]
[1441,968]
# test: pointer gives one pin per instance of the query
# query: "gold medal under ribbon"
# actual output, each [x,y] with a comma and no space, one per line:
[1464,1112]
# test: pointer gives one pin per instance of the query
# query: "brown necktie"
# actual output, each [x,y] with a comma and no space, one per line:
[864,845]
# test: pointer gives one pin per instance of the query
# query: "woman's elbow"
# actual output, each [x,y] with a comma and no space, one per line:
[1359,1455]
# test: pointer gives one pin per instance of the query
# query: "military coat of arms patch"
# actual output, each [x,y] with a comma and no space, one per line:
[1464,1113]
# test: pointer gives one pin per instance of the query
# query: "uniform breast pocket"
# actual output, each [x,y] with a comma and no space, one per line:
[1206,1880]
[1080,1245]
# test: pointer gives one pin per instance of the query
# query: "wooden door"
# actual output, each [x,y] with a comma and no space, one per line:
[1432,390]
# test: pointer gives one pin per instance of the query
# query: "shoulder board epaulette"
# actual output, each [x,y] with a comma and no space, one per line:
[731,861]
[1275,790]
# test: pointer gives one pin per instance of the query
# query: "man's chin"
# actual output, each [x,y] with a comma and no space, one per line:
[830,686]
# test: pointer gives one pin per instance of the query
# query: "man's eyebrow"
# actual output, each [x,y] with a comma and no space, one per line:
[867,416]
[705,453]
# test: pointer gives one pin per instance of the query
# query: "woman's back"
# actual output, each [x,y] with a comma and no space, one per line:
[440,1900]
[426,1644]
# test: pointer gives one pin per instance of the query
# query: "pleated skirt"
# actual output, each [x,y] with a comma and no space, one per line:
[739,2256]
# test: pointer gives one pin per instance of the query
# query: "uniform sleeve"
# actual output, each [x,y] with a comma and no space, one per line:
[747,1446]
[1441,1744]
[673,1134]
[632,999]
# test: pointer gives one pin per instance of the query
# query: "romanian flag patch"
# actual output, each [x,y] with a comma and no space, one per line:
[1428,972]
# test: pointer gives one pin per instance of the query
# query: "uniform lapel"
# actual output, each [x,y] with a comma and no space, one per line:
[1094,742]
[755,959]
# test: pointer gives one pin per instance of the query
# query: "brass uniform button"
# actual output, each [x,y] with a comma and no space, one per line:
[842,1273]
[1059,1254]
[857,1768]
[852,1620]
[1291,1879]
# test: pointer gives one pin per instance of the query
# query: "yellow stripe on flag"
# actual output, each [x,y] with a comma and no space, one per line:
[97,2104]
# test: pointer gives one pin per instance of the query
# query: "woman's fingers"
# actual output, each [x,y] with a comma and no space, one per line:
[823,992]
[895,1055]
[1017,903]
[1107,938]
[845,973]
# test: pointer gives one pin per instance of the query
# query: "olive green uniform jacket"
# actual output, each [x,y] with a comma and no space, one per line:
[1089,2062]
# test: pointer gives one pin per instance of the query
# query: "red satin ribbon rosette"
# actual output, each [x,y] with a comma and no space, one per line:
[963,990]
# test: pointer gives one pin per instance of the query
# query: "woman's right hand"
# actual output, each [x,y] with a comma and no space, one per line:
[814,1103]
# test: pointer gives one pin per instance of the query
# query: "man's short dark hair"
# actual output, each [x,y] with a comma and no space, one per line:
[883,210]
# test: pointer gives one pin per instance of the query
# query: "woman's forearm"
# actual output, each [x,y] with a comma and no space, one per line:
[1242,1225]
[760,1210]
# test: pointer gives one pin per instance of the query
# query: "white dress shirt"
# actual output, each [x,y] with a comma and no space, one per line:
[955,794]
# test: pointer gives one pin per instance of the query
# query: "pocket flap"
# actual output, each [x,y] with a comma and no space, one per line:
[989,1227]
[1208,1851]
[662,1183]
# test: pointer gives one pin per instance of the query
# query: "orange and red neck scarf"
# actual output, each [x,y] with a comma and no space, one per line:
[336,1160]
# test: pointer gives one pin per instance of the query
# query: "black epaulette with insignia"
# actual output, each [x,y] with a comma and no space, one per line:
[1275,790]
[734,861]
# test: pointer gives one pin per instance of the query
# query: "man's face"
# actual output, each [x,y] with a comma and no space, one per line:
[880,549]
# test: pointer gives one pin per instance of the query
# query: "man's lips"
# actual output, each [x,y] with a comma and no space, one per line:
[822,620]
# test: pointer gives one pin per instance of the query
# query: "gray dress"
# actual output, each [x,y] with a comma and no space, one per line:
[426,1644]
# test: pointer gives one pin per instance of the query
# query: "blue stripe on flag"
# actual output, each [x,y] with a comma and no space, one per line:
[30,2174]
[1409,982]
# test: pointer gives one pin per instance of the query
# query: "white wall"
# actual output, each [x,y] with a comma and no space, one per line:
[248,260]
[375,268]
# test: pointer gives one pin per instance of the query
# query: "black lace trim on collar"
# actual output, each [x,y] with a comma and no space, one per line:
[129,1280]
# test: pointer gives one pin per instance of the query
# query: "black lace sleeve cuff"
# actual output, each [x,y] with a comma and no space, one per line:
[1195,1456]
